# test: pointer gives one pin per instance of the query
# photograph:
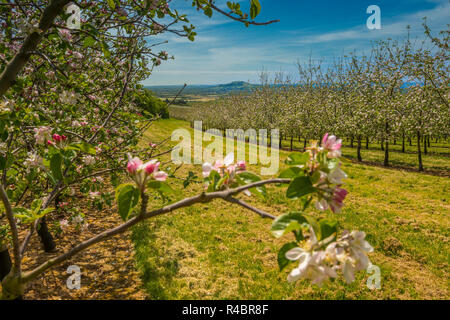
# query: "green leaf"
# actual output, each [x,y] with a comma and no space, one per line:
[292,221]
[327,228]
[160,186]
[208,11]
[55,166]
[213,179]
[36,205]
[255,8]
[20,211]
[127,197]
[88,41]
[247,178]
[297,159]
[105,50]
[6,161]
[82,146]
[299,187]
[291,172]
[283,262]
[111,4]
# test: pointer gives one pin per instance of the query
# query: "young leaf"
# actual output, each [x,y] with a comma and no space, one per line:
[291,172]
[127,197]
[82,146]
[283,262]
[247,178]
[208,11]
[286,223]
[327,228]
[111,4]
[160,186]
[295,159]
[299,187]
[55,166]
[255,8]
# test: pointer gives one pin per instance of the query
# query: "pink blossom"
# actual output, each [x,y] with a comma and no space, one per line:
[330,142]
[133,165]
[63,223]
[56,137]
[160,176]
[241,165]
[65,35]
[41,134]
[206,169]
[151,167]
[337,200]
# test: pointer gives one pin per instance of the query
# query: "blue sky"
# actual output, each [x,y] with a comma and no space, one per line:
[226,51]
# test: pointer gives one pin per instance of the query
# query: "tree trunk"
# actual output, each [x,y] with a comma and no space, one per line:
[395,142]
[46,237]
[386,149]
[386,154]
[304,145]
[292,143]
[425,149]
[403,143]
[429,142]
[279,142]
[382,144]
[359,149]
[419,151]
[410,142]
[367,143]
[5,262]
[351,142]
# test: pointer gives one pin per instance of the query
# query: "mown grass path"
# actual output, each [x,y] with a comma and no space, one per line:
[220,251]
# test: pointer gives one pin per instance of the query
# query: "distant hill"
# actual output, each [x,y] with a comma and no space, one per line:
[216,89]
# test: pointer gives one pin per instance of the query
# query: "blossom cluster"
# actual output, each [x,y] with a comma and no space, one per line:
[329,191]
[225,167]
[348,254]
[140,172]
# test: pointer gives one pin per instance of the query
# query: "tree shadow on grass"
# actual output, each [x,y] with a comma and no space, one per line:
[156,268]
[435,171]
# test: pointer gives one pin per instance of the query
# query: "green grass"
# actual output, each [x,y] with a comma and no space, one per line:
[220,251]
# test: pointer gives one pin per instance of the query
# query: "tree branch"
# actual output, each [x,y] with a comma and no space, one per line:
[262,213]
[201,198]
[241,20]
[9,75]
[13,227]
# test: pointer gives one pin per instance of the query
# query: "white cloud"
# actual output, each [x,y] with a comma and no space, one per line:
[435,16]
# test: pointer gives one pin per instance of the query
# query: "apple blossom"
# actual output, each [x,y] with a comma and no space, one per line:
[33,160]
[140,172]
[89,160]
[65,34]
[41,134]
[63,223]
[312,263]
[225,167]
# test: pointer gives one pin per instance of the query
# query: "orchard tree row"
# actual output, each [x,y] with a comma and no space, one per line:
[398,92]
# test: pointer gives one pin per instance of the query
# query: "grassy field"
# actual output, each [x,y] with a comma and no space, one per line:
[220,251]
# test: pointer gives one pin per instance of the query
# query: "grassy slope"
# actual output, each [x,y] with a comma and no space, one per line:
[220,251]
